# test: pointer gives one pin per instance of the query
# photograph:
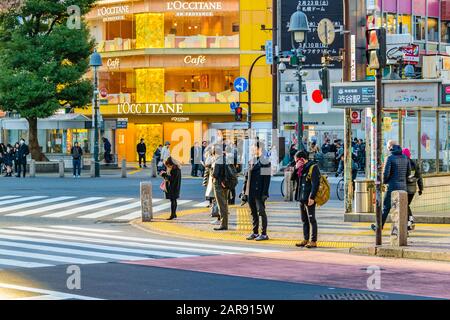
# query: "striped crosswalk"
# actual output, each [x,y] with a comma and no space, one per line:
[46,246]
[94,208]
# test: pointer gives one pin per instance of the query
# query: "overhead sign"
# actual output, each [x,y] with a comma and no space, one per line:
[316,10]
[196,61]
[149,108]
[241,84]
[410,94]
[353,95]
[194,8]
[269,52]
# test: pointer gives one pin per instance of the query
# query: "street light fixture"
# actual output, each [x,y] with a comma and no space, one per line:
[96,62]
[299,27]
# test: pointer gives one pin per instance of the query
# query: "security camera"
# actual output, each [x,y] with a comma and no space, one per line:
[282,67]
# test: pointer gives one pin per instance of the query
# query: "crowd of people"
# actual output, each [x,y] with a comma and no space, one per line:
[13,159]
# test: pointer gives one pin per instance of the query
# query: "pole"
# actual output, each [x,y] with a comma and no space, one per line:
[400,128]
[274,65]
[437,142]
[96,136]
[249,112]
[348,185]
[301,146]
[379,115]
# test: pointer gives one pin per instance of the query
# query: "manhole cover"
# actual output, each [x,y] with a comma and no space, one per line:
[352,296]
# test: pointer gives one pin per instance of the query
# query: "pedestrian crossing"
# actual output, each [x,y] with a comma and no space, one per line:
[94,208]
[49,245]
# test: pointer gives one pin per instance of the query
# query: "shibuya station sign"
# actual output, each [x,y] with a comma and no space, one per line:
[149,108]
[195,8]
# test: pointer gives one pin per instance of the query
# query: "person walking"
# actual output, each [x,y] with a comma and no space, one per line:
[172,183]
[157,157]
[76,153]
[307,175]
[256,191]
[107,150]
[141,150]
[397,169]
[22,154]
[219,185]
[414,180]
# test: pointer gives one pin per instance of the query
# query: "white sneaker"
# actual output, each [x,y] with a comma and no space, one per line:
[215,222]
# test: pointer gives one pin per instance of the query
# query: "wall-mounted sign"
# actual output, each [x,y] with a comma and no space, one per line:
[149,108]
[113,13]
[122,123]
[194,8]
[411,94]
[179,119]
[411,54]
[113,63]
[353,95]
[356,117]
[196,61]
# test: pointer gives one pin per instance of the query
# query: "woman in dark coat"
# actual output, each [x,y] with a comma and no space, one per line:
[172,180]
[8,158]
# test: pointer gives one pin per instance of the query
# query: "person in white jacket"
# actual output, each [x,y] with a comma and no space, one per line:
[165,152]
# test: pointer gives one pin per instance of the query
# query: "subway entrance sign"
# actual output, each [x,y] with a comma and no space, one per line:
[354,95]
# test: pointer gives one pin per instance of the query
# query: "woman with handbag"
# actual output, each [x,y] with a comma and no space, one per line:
[172,185]
[414,180]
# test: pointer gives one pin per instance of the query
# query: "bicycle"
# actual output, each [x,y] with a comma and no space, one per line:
[340,189]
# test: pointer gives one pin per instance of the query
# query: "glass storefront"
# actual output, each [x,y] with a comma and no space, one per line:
[166,24]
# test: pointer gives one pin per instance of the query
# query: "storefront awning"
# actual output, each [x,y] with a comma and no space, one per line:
[59,121]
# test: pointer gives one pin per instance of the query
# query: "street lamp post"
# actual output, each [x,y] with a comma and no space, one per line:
[298,27]
[96,62]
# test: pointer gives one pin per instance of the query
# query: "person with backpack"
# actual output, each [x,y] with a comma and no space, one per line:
[307,175]
[256,191]
[224,179]
[76,153]
[414,180]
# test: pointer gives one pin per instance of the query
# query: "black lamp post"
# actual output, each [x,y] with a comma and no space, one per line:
[299,27]
[96,62]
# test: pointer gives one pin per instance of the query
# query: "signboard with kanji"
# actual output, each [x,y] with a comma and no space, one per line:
[315,10]
[353,95]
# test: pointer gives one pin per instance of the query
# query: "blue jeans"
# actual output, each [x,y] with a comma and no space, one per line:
[386,206]
[77,167]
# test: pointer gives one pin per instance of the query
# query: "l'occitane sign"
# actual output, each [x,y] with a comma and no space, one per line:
[194,8]
[149,108]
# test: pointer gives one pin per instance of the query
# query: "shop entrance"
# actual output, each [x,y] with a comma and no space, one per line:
[152,135]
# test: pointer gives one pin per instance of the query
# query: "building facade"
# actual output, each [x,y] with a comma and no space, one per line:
[169,67]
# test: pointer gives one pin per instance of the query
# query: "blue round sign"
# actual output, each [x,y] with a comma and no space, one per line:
[234,105]
[241,84]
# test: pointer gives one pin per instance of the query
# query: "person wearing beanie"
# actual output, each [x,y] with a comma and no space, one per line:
[414,182]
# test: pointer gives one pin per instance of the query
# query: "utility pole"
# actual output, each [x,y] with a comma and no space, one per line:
[379,144]
[275,65]
[347,120]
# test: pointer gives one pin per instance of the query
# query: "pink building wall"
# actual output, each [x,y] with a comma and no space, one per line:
[408,6]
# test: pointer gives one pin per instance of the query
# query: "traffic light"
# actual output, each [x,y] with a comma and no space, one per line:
[376,48]
[238,114]
[324,75]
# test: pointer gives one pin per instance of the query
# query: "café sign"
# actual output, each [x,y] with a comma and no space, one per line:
[194,8]
[199,60]
[149,108]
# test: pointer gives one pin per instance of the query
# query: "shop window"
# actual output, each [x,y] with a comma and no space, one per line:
[119,85]
[404,24]
[390,22]
[419,28]
[433,30]
[445,32]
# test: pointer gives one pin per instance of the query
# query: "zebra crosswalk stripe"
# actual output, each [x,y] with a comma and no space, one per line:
[86,208]
[137,214]
[23,264]
[108,212]
[15,200]
[41,256]
[31,204]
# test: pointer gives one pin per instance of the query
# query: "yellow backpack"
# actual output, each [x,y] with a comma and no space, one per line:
[323,194]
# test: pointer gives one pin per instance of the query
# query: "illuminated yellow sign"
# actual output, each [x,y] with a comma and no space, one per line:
[149,108]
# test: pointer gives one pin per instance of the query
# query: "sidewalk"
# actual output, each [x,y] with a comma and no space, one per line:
[285,229]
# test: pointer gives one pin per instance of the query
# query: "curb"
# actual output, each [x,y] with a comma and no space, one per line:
[404,253]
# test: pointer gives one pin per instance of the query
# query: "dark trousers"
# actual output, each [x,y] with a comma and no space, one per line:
[221,196]
[386,206]
[195,168]
[21,167]
[142,158]
[173,207]
[76,167]
[410,199]
[309,221]
[232,196]
[258,209]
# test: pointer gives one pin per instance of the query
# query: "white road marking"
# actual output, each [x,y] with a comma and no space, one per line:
[87,229]
[21,200]
[8,197]
[31,204]
[41,256]
[156,209]
[108,212]
[55,206]
[23,264]
[203,204]
[61,295]
[86,208]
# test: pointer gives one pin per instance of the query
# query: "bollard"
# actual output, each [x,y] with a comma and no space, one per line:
[288,186]
[146,201]
[61,168]
[124,168]
[32,168]
[92,169]
[154,168]
[399,217]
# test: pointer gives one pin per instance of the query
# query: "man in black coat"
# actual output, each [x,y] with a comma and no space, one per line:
[141,150]
[22,154]
[256,191]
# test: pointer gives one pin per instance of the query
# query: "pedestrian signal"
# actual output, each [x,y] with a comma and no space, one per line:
[238,114]
[376,48]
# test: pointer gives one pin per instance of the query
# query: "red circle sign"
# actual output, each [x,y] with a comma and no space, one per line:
[104,92]
[355,115]
[317,96]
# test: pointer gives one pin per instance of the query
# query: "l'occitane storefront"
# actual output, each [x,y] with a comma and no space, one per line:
[169,66]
